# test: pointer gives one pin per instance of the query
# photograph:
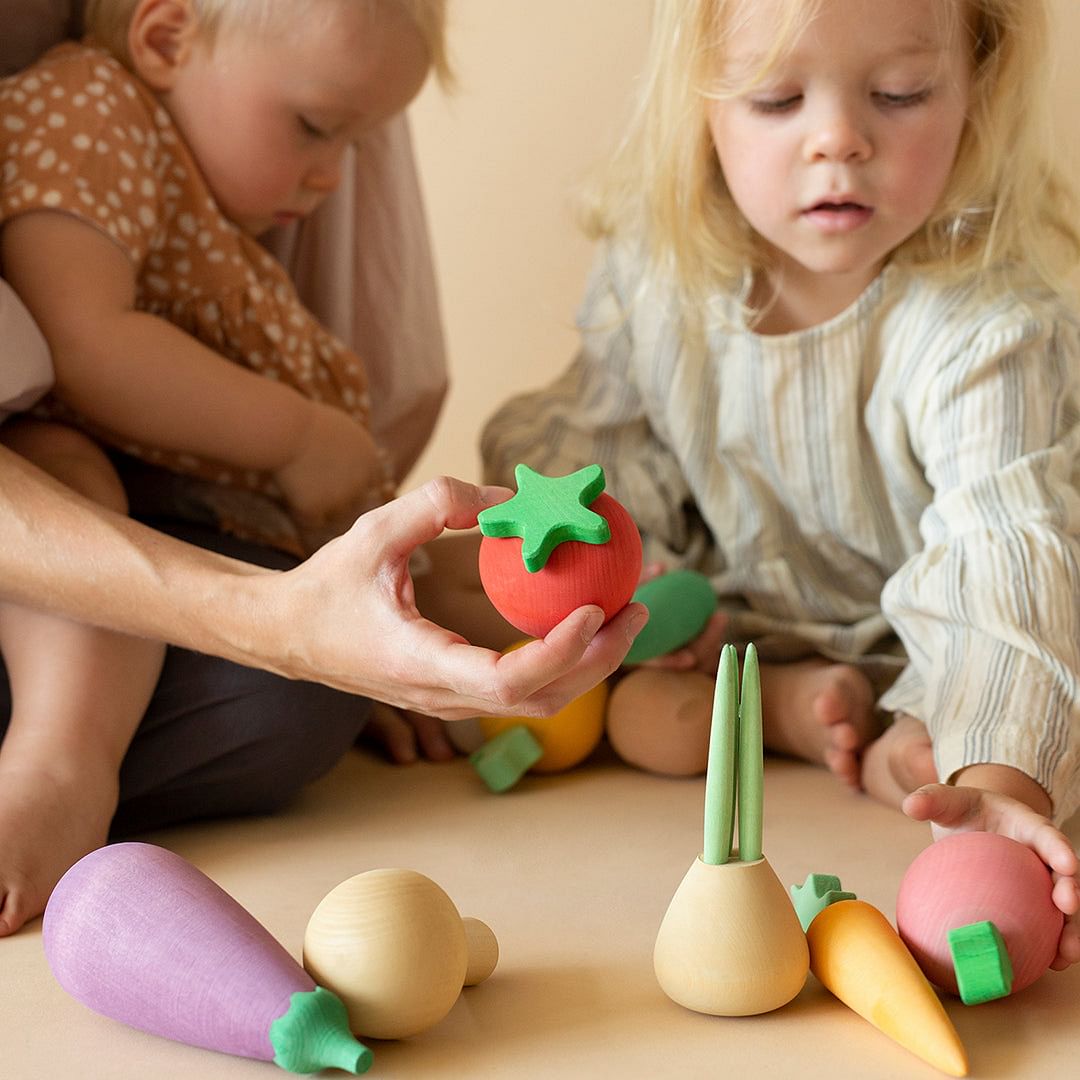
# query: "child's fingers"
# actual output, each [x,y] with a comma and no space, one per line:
[1068,947]
[1066,894]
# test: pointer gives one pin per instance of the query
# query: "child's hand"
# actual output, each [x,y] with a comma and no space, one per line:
[335,474]
[404,736]
[967,809]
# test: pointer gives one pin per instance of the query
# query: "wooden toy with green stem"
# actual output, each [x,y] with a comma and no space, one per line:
[730,943]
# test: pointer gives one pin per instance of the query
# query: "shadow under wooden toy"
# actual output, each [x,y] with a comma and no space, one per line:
[730,943]
[857,955]
[391,944]
[140,935]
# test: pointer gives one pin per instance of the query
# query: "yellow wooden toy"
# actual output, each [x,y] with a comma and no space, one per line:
[545,744]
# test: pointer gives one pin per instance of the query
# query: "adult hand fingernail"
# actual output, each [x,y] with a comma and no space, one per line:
[636,625]
[591,625]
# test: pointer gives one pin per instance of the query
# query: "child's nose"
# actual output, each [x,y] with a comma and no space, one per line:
[837,136]
[324,177]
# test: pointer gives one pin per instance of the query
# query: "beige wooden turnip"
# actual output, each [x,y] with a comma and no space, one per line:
[731,943]
[392,946]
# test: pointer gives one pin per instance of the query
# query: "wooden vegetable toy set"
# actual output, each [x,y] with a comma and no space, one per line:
[559,543]
[140,935]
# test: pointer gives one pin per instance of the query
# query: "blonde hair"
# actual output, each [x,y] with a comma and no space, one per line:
[107,22]
[1004,204]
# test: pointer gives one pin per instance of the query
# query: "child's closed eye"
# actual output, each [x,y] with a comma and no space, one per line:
[901,101]
[775,104]
[308,128]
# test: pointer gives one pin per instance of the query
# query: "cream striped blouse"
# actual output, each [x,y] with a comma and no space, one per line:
[897,488]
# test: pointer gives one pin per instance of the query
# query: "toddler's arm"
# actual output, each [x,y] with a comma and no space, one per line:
[144,380]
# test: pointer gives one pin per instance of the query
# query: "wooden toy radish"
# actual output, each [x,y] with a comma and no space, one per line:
[857,955]
[392,946]
[559,543]
[730,943]
[977,913]
[138,934]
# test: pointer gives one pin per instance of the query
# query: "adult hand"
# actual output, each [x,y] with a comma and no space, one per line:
[347,617]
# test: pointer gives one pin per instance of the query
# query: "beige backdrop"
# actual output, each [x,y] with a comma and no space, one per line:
[544,90]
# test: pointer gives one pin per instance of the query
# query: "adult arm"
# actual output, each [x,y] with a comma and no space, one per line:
[344,618]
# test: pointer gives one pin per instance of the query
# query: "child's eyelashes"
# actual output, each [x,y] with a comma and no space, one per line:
[790,102]
[308,128]
[902,101]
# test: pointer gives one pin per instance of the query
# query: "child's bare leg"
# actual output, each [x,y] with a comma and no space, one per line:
[898,761]
[77,694]
[818,711]
[1000,799]
[815,710]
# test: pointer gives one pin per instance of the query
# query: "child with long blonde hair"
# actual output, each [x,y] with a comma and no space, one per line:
[828,359]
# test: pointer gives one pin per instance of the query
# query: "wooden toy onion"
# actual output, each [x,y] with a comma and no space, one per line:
[730,943]
[138,934]
[391,944]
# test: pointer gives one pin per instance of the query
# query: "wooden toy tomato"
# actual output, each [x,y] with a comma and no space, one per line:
[559,543]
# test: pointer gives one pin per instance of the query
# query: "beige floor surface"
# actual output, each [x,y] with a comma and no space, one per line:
[573,873]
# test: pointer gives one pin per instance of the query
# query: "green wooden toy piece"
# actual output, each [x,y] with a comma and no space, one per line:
[547,511]
[502,761]
[734,777]
[815,895]
[983,968]
[751,760]
[314,1034]
[680,603]
[720,776]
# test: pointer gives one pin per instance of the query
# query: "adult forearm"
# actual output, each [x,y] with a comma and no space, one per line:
[64,554]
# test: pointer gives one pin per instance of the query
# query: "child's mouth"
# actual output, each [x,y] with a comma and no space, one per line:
[839,216]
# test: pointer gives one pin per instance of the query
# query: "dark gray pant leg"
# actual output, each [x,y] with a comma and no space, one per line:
[221,739]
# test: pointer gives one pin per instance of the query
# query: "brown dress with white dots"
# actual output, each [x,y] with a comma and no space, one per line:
[81,135]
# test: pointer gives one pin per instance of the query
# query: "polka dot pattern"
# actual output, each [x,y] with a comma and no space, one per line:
[81,135]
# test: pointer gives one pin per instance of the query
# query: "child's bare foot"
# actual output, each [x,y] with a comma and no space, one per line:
[50,818]
[898,761]
[818,711]
[964,809]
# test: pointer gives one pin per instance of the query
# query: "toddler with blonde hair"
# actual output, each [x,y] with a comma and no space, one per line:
[828,359]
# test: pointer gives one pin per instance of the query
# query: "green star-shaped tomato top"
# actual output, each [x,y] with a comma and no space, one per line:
[548,510]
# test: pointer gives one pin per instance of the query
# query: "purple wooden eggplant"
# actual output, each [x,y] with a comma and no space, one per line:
[138,934]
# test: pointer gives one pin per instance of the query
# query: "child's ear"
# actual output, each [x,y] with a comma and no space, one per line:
[160,36]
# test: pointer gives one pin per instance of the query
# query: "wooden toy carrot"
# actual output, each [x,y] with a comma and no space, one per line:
[138,934]
[856,954]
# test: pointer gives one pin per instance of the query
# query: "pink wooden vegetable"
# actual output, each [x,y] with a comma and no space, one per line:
[974,878]
[140,935]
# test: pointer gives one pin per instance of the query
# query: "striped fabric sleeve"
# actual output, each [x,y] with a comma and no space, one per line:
[989,610]
[594,413]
